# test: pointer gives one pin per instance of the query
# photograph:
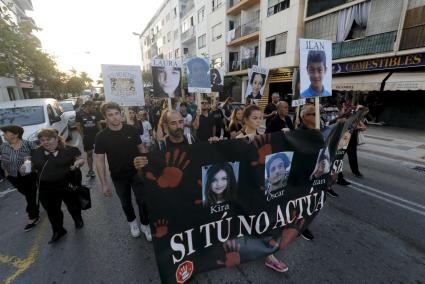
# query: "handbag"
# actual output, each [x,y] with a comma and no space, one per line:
[81,191]
[361,139]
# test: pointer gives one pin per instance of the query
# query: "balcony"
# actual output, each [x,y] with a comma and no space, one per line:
[244,33]
[368,45]
[241,67]
[186,8]
[236,6]
[189,35]
[413,37]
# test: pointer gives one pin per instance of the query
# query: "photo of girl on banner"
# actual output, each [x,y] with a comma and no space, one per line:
[257,81]
[277,170]
[166,77]
[315,68]
[219,183]
[217,80]
[198,75]
[323,165]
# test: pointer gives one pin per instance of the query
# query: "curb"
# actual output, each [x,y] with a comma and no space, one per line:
[395,157]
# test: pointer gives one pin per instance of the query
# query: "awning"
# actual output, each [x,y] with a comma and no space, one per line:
[364,82]
[404,81]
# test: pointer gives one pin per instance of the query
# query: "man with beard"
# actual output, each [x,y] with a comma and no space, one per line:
[271,109]
[204,122]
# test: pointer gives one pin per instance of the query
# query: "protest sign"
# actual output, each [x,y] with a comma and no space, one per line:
[166,77]
[233,201]
[296,94]
[257,78]
[217,80]
[198,70]
[123,84]
[315,68]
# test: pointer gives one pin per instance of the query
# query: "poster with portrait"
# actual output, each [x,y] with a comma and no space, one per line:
[198,75]
[219,183]
[315,68]
[296,87]
[276,172]
[123,84]
[166,78]
[257,78]
[217,80]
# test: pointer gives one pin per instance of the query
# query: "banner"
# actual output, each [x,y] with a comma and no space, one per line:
[166,77]
[217,80]
[218,205]
[315,68]
[257,78]
[123,84]
[198,76]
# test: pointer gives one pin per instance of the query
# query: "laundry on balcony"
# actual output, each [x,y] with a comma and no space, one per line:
[231,35]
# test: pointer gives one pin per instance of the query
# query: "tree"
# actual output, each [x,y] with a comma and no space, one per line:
[86,79]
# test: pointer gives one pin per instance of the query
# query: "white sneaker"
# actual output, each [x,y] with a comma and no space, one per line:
[146,229]
[134,228]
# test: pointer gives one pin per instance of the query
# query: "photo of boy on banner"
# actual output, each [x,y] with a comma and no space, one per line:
[277,170]
[315,68]
[256,82]
[217,80]
[219,183]
[323,165]
[198,70]
[166,77]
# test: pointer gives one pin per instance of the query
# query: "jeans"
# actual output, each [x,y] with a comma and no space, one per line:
[123,188]
[27,186]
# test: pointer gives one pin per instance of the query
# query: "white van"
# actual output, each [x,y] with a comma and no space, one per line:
[33,115]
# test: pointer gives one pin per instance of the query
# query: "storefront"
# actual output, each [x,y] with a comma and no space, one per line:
[279,81]
[392,87]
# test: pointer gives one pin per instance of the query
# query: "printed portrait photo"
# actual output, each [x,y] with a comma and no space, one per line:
[123,86]
[219,183]
[277,170]
[343,143]
[166,81]
[315,68]
[217,80]
[198,72]
[323,165]
[256,83]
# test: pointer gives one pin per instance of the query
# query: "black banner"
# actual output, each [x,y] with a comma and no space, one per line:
[218,205]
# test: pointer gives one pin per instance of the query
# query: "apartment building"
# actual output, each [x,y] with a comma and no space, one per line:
[12,88]
[378,53]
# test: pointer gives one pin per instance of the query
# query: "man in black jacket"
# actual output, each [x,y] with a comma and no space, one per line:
[281,121]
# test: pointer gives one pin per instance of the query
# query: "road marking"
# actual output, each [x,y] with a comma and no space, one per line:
[4,192]
[23,264]
[387,194]
[411,209]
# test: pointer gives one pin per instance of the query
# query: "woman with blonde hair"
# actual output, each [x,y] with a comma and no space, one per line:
[55,163]
[236,122]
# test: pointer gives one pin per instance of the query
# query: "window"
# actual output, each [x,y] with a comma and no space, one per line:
[201,15]
[168,36]
[216,4]
[217,61]
[170,55]
[23,115]
[162,22]
[175,12]
[167,18]
[202,41]
[177,53]
[276,44]
[187,24]
[276,6]
[216,32]
[176,34]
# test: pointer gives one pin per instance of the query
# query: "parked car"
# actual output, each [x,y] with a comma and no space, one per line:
[69,111]
[34,115]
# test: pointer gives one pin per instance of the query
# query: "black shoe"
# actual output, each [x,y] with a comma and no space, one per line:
[79,224]
[359,175]
[57,236]
[332,193]
[343,182]
[306,234]
[30,226]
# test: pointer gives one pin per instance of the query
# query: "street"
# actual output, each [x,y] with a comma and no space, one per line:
[372,233]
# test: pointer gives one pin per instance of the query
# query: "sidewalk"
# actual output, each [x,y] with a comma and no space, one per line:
[397,143]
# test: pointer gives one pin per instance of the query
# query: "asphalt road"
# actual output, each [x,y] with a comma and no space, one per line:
[373,233]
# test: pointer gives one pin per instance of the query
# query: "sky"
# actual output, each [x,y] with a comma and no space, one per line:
[83,34]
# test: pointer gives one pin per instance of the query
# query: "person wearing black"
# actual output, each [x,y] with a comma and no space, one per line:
[88,124]
[121,143]
[219,118]
[271,109]
[14,153]
[204,123]
[55,162]
[281,121]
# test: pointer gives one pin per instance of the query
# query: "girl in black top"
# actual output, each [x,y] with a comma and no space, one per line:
[55,163]
[236,122]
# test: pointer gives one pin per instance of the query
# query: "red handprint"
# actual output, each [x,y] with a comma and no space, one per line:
[292,232]
[233,258]
[264,148]
[161,228]
[173,171]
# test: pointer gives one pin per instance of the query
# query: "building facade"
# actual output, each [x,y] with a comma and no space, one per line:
[12,88]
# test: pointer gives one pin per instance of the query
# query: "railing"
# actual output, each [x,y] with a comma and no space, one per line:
[413,37]
[233,3]
[247,28]
[187,9]
[234,66]
[368,45]
[190,33]
[242,65]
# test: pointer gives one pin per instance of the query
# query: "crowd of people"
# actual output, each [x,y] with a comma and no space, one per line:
[122,137]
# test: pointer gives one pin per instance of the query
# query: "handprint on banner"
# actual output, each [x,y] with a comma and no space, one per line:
[292,232]
[161,228]
[233,258]
[264,148]
[173,171]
